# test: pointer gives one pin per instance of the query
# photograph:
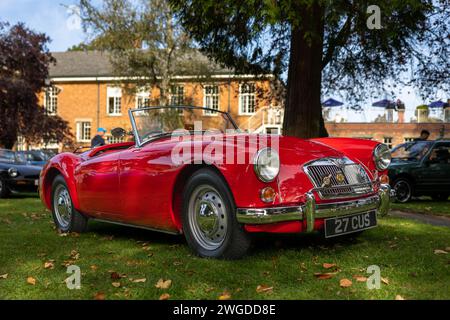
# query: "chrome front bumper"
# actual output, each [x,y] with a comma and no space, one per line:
[311,211]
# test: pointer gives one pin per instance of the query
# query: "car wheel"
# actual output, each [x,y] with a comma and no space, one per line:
[66,217]
[440,197]
[4,191]
[209,218]
[403,190]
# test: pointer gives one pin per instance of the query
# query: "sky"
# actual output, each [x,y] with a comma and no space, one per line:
[55,18]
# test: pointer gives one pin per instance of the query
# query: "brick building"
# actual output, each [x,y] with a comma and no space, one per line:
[84,91]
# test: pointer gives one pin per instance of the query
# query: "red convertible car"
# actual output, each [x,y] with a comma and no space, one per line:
[191,171]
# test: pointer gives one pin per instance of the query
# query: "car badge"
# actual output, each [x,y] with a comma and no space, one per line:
[326,181]
[340,177]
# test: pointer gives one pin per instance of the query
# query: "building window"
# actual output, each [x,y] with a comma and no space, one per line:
[176,95]
[247,98]
[51,100]
[388,141]
[409,139]
[83,131]
[211,99]
[114,101]
[142,99]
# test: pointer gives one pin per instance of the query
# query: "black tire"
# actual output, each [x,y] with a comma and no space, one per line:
[440,197]
[4,191]
[75,222]
[403,189]
[217,213]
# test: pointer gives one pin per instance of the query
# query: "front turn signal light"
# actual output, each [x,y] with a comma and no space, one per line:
[268,195]
[384,179]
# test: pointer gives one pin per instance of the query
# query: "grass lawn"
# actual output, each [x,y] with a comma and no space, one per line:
[403,249]
[424,205]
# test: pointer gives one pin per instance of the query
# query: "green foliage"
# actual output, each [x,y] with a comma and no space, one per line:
[256,34]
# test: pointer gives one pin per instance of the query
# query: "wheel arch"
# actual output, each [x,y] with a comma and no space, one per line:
[48,178]
[180,183]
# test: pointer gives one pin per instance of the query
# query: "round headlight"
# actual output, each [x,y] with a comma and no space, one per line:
[267,164]
[13,172]
[382,157]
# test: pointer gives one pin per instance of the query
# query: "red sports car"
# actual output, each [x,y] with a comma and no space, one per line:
[191,171]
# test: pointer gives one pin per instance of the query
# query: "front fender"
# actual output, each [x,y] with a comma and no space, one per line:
[63,164]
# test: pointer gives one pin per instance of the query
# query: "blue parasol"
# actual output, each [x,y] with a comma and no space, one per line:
[437,104]
[332,103]
[385,103]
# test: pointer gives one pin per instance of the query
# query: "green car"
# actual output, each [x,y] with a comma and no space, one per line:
[421,168]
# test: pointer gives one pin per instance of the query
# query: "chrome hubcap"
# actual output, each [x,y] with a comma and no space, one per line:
[207,217]
[63,206]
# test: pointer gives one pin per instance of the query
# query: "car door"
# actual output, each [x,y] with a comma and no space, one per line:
[146,176]
[435,170]
[97,181]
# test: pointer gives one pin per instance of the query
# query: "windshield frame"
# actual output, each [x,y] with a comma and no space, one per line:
[137,138]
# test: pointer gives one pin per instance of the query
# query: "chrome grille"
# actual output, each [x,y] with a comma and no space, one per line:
[355,182]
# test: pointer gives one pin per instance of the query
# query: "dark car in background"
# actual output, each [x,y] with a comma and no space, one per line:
[421,168]
[35,157]
[16,175]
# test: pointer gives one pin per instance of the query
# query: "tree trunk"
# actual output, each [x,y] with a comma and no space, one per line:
[303,114]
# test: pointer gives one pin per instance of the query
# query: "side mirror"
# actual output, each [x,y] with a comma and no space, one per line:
[118,133]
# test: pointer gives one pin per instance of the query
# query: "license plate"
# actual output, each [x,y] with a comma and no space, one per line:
[36,183]
[349,224]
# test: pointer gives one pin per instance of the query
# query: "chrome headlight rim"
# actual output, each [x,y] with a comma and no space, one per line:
[13,173]
[382,157]
[259,167]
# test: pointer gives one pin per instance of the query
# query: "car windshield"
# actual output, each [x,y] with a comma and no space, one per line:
[411,151]
[156,122]
[11,157]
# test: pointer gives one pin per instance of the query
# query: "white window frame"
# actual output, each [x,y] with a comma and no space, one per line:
[176,96]
[211,100]
[116,94]
[388,141]
[144,96]
[51,100]
[81,130]
[247,96]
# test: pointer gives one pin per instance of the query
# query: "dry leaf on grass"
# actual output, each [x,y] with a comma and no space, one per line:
[329,265]
[116,284]
[115,276]
[140,280]
[31,280]
[385,280]
[163,284]
[324,276]
[3,276]
[264,289]
[399,297]
[49,265]
[345,283]
[164,296]
[359,278]
[439,251]
[225,296]
[99,296]
[94,268]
